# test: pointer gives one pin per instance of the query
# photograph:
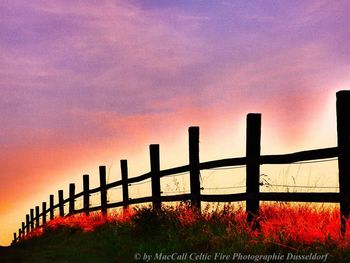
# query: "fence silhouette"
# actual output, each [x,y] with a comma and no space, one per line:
[252,161]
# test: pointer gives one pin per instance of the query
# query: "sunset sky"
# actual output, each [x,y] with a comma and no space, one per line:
[87,83]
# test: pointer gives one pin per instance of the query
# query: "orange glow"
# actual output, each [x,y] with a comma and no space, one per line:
[51,166]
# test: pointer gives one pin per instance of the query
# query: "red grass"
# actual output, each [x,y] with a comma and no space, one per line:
[89,222]
[303,224]
[83,222]
[283,224]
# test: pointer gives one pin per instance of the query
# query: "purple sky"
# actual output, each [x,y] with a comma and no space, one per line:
[78,78]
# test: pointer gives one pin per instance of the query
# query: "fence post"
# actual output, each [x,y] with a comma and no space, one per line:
[193,133]
[31,219]
[124,171]
[343,131]
[14,238]
[44,212]
[37,212]
[23,229]
[27,224]
[61,203]
[155,168]
[86,194]
[253,138]
[103,189]
[71,198]
[52,214]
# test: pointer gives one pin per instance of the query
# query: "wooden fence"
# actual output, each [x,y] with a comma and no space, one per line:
[252,161]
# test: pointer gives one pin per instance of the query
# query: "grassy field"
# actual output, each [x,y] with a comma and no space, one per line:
[177,234]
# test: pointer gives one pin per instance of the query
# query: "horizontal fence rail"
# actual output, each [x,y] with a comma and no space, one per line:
[251,162]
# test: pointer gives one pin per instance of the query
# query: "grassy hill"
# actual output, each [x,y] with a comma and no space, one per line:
[296,233]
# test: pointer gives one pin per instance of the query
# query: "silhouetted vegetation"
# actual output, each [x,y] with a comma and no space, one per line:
[117,237]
